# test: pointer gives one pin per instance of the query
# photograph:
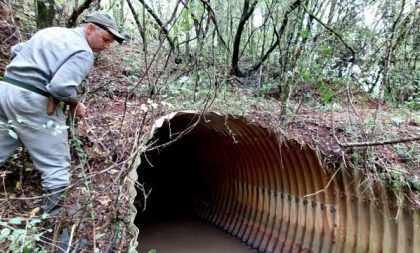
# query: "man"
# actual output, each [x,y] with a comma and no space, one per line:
[46,69]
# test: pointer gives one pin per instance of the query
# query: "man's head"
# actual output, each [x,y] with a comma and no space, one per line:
[101,30]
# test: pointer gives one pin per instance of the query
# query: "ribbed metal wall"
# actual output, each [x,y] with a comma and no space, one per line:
[258,184]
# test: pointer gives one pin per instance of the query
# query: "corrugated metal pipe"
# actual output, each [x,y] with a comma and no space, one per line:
[276,196]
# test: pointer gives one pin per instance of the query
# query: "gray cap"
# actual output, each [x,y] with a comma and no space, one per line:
[105,22]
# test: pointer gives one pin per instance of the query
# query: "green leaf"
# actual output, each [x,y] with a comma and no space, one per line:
[28,249]
[35,221]
[306,75]
[152,251]
[99,235]
[17,239]
[50,124]
[415,182]
[13,134]
[356,158]
[5,232]
[19,119]
[184,79]
[304,32]
[15,221]
[398,120]
[37,237]
[326,51]
[326,93]
[132,249]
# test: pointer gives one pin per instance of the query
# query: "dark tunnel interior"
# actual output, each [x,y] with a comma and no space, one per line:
[172,174]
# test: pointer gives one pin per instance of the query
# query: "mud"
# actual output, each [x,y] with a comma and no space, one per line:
[187,234]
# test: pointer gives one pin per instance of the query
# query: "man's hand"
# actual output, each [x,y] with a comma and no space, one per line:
[78,110]
[52,105]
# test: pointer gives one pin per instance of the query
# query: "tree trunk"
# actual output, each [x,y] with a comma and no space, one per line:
[197,24]
[136,19]
[337,34]
[173,14]
[187,44]
[246,14]
[121,18]
[278,35]
[301,43]
[332,12]
[212,17]
[72,21]
[45,13]
[160,24]
[389,53]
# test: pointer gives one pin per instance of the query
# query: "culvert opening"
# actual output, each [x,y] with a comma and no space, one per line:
[172,175]
[253,188]
[178,178]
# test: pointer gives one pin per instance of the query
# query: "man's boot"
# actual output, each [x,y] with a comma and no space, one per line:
[53,201]
[51,204]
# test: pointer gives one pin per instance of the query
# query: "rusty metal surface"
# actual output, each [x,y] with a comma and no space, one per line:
[277,197]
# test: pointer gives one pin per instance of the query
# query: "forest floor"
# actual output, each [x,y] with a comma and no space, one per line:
[121,112]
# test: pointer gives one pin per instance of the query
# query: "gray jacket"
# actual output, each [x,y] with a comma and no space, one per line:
[55,60]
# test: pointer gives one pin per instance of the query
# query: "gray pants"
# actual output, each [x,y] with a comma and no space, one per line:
[24,113]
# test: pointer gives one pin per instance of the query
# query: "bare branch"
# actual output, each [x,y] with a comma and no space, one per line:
[136,18]
[378,143]
[351,49]
[159,22]
[173,14]
[213,19]
[76,13]
[278,34]
[197,24]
